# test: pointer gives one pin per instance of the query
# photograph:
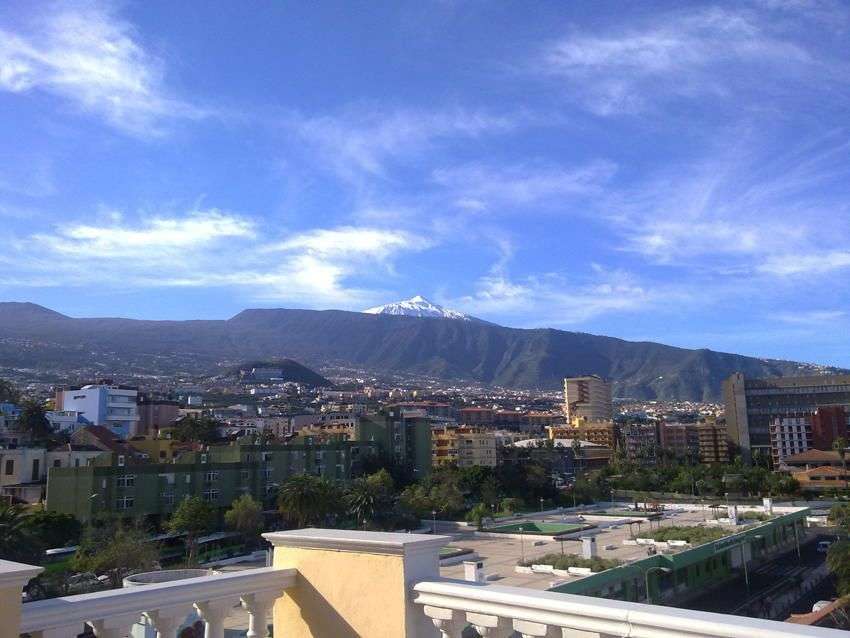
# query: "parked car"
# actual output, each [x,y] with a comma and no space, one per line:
[823,546]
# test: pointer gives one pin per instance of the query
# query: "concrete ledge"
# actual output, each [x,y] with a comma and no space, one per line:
[358,541]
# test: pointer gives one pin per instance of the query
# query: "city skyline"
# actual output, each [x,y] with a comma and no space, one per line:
[651,172]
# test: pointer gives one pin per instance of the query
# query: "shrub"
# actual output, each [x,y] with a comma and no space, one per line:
[694,535]
[564,561]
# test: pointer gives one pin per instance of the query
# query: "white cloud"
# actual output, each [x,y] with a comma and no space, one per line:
[212,248]
[553,300]
[478,186]
[88,56]
[685,53]
[810,317]
[814,263]
[361,141]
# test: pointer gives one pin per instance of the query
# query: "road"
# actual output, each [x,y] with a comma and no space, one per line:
[765,581]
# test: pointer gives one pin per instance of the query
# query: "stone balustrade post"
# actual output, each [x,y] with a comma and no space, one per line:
[354,583]
[13,578]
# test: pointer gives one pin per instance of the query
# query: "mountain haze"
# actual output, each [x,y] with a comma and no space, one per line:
[33,336]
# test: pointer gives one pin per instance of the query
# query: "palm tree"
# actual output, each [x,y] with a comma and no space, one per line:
[307,500]
[840,446]
[362,501]
[15,543]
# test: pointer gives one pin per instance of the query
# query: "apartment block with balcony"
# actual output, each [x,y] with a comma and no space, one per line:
[789,435]
[713,442]
[463,446]
[131,487]
[588,398]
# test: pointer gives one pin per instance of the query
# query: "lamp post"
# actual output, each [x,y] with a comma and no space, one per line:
[522,544]
[541,503]
[663,570]
[434,522]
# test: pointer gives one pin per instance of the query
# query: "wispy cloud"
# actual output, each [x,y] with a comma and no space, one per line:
[553,299]
[85,54]
[692,52]
[480,186]
[751,207]
[810,317]
[212,248]
[362,140]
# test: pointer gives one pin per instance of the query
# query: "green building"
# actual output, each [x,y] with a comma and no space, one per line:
[125,486]
[403,437]
[674,578]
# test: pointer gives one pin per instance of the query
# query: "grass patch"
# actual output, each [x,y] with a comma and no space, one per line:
[564,561]
[692,534]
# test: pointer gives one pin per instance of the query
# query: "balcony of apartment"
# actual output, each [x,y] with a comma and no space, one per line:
[340,583]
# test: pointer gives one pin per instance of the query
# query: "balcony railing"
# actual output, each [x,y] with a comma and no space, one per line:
[497,611]
[347,584]
[111,614]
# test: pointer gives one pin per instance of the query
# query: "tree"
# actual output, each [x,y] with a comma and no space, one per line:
[477,515]
[196,429]
[52,529]
[246,517]
[840,446]
[8,392]
[193,517]
[307,500]
[15,541]
[838,561]
[34,421]
[115,552]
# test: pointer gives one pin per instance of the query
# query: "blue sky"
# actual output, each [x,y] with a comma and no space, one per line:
[676,172]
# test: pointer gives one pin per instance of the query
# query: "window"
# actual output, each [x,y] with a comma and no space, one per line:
[203,458]
[10,467]
[244,475]
[35,470]
[126,480]
[125,503]
[209,477]
[57,463]
[168,498]
[121,460]
[211,495]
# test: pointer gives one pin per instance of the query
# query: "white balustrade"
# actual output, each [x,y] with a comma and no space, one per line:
[499,611]
[110,614]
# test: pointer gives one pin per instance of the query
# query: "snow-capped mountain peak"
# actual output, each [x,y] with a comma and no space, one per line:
[418,306]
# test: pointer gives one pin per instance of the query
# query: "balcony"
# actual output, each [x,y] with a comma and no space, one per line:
[337,583]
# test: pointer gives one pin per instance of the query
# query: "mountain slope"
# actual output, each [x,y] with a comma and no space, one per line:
[463,350]
[417,306]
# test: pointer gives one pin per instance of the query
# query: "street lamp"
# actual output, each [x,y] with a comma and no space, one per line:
[663,570]
[434,522]
[541,503]
[522,544]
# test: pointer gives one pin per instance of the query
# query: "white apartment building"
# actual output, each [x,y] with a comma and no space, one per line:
[789,435]
[588,398]
[112,406]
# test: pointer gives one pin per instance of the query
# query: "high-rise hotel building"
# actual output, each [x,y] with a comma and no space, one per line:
[587,398]
[759,408]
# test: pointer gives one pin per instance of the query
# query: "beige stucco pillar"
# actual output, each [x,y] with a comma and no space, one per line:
[13,577]
[354,583]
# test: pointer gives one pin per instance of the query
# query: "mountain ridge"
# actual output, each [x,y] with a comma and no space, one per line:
[464,351]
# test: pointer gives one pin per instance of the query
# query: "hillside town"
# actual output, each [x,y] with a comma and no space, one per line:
[263,452]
